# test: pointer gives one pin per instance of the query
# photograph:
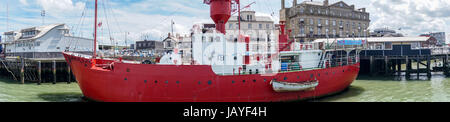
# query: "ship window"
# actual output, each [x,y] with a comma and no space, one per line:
[243,81]
[254,80]
[285,78]
[209,82]
[156,81]
[232,81]
[126,79]
[178,82]
[145,81]
[167,82]
[199,82]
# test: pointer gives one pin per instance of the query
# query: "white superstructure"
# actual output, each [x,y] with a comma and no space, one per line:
[44,42]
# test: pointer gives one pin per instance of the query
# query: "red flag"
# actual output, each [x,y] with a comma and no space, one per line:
[100,24]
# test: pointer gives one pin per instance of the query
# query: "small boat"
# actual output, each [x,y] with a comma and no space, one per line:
[293,86]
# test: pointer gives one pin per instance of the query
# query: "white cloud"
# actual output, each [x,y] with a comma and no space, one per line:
[60,7]
[24,2]
[413,16]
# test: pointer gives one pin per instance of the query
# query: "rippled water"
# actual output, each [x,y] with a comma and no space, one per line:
[395,89]
[13,91]
[365,89]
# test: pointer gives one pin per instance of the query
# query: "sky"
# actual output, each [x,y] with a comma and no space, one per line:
[139,19]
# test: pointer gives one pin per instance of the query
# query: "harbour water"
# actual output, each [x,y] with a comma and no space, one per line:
[365,89]
[14,91]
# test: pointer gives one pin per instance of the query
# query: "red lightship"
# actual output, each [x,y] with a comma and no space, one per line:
[303,72]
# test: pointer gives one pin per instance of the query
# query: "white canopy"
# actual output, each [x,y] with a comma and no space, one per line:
[378,39]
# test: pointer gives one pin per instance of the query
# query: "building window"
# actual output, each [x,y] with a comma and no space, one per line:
[301,10]
[268,26]
[334,22]
[302,30]
[260,26]
[334,32]
[326,22]
[230,26]
[319,31]
[250,26]
[311,21]
[318,21]
[326,32]
[311,10]
[311,30]
[237,25]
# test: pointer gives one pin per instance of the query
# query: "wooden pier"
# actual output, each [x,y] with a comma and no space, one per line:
[37,70]
[406,63]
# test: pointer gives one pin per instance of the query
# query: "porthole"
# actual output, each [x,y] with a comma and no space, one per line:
[145,81]
[178,82]
[243,81]
[156,81]
[209,82]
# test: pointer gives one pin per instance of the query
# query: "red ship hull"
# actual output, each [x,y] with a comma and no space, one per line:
[197,83]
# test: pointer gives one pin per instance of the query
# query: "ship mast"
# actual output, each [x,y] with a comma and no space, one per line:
[95,33]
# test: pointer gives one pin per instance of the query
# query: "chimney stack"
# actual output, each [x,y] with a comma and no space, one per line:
[283,4]
[325,2]
[295,3]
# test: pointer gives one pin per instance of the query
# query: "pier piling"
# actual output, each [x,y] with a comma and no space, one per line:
[22,71]
[54,72]
[39,72]
[371,65]
[68,74]
[418,67]
[386,65]
[428,67]
[408,67]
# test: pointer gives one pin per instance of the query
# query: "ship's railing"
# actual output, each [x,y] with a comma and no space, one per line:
[327,63]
